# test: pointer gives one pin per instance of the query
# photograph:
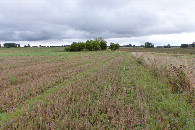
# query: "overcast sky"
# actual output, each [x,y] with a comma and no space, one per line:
[60,22]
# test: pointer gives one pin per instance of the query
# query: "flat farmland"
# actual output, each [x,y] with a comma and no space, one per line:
[47,88]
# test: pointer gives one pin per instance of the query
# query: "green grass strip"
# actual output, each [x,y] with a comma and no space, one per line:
[163,109]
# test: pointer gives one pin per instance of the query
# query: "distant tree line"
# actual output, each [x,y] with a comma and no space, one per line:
[187,45]
[167,46]
[150,45]
[9,45]
[91,45]
[146,45]
[27,45]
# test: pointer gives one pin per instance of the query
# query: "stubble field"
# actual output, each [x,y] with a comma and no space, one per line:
[46,88]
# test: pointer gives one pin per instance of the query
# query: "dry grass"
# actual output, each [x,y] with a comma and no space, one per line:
[21,83]
[178,72]
[188,51]
[169,62]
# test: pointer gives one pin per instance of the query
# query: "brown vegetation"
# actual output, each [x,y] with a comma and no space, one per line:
[94,90]
[169,62]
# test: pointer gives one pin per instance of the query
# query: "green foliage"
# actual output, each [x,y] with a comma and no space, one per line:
[103,45]
[96,45]
[184,45]
[82,46]
[90,45]
[67,48]
[192,45]
[114,46]
[74,47]
[8,45]
[102,42]
[149,45]
[161,107]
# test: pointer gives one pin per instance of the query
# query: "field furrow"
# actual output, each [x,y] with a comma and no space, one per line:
[15,95]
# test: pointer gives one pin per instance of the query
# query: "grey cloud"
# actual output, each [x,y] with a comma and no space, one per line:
[32,20]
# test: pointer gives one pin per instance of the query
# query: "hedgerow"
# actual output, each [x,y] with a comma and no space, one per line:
[90,45]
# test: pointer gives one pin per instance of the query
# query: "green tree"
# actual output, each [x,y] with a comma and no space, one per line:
[117,46]
[96,45]
[74,46]
[89,45]
[184,45]
[8,45]
[103,43]
[167,46]
[81,46]
[149,45]
[114,46]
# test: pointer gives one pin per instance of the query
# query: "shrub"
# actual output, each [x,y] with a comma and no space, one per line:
[149,45]
[177,79]
[8,45]
[103,45]
[184,45]
[74,47]
[100,44]
[140,61]
[114,46]
[67,48]
[89,45]
[81,46]
[96,45]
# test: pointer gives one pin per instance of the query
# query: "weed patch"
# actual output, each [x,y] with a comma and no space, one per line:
[12,79]
[1,68]
[178,79]
[140,61]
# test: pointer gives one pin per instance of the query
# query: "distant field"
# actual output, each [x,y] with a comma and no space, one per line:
[6,52]
[190,51]
[133,88]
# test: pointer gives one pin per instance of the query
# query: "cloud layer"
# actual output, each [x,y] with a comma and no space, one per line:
[33,20]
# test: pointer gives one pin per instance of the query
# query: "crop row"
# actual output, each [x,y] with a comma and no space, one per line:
[96,98]
[37,79]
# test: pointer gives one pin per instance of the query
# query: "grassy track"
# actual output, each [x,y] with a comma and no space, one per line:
[86,90]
